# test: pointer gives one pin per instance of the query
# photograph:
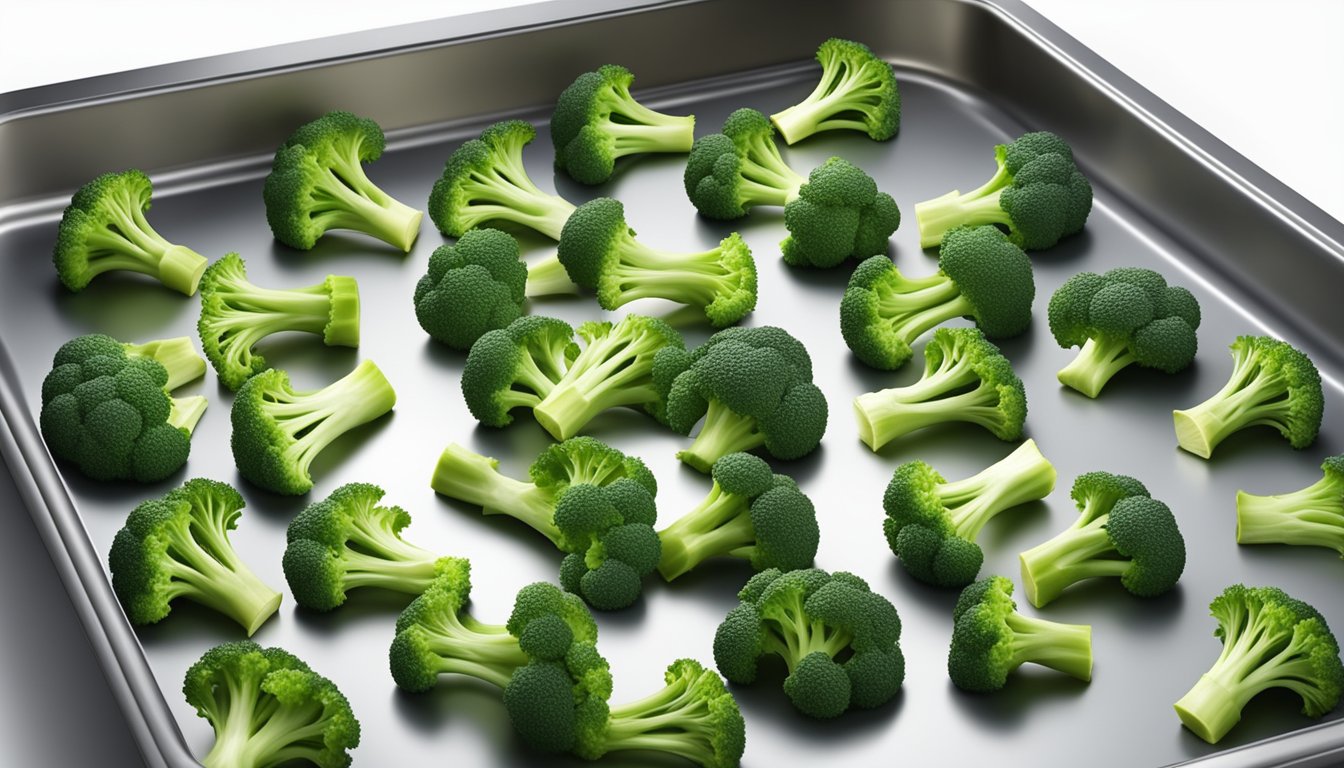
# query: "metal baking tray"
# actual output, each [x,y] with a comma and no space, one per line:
[1168,196]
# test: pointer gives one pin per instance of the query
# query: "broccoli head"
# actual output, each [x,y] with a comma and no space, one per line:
[473,286]
[857,92]
[731,172]
[515,367]
[1309,517]
[837,215]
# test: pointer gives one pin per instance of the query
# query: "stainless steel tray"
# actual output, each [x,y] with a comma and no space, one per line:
[1168,196]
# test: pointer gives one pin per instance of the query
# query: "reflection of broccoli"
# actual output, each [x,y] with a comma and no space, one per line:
[1312,516]
[857,92]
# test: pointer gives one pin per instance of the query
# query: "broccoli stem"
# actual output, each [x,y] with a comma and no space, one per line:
[315,419]
[1095,364]
[1075,554]
[506,192]
[278,735]
[839,93]
[465,646]
[765,178]
[888,414]
[1251,397]
[696,279]
[1065,647]
[921,304]
[1209,709]
[675,720]
[668,134]
[723,432]
[613,371]
[549,278]
[338,205]
[1024,475]
[935,217]
[719,525]
[1312,516]
[798,635]
[475,479]
[186,412]
[177,356]
[203,567]
[130,243]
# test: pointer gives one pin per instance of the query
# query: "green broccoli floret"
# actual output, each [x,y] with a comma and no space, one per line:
[752,386]
[1272,384]
[236,315]
[857,92]
[965,378]
[591,501]
[931,523]
[268,708]
[515,367]
[178,546]
[731,172]
[317,183]
[1310,517]
[473,286]
[597,121]
[1127,316]
[1120,533]
[599,252]
[106,408]
[277,432]
[104,230]
[613,370]
[991,639]
[839,640]
[750,513]
[486,180]
[1269,640]
[837,215]
[1037,194]
[346,541]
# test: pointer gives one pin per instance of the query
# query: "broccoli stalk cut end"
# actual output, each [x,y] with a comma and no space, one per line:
[1312,516]
[185,412]
[476,480]
[1095,364]
[176,355]
[549,278]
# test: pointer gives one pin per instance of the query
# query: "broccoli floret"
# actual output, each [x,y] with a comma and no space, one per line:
[613,370]
[178,546]
[837,215]
[515,367]
[1120,533]
[750,513]
[599,252]
[931,523]
[857,92]
[752,386]
[269,708]
[277,432]
[1272,384]
[1127,316]
[731,172]
[1310,517]
[104,230]
[965,378]
[1270,640]
[106,408]
[591,501]
[317,183]
[980,276]
[485,180]
[839,639]
[991,639]
[597,121]
[473,286]
[236,315]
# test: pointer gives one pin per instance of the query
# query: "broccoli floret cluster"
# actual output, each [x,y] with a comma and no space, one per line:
[178,546]
[965,378]
[931,524]
[731,172]
[476,285]
[981,276]
[750,513]
[1309,517]
[838,215]
[1121,532]
[236,315]
[1273,384]
[597,121]
[268,708]
[838,638]
[106,407]
[317,183]
[857,92]
[516,367]
[1126,316]
[1037,194]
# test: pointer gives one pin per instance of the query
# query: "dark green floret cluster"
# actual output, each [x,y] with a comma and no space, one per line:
[729,173]
[476,285]
[1309,517]
[516,367]
[837,215]
[838,638]
[857,92]
[981,276]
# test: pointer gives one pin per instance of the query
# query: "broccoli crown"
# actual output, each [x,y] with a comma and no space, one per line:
[597,121]
[965,378]
[106,408]
[857,92]
[1037,194]
[474,286]
[1128,315]
[837,215]
[1270,640]
[267,707]
[613,370]
[560,704]
[236,315]
[731,172]
[277,432]
[752,386]
[178,546]
[104,230]
[750,513]
[599,252]
[1272,384]
[839,639]
[485,180]
[516,366]
[931,523]
[981,276]
[1311,516]
[990,639]
[317,183]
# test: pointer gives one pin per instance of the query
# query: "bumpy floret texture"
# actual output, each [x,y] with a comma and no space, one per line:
[516,366]
[728,173]
[473,286]
[838,214]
